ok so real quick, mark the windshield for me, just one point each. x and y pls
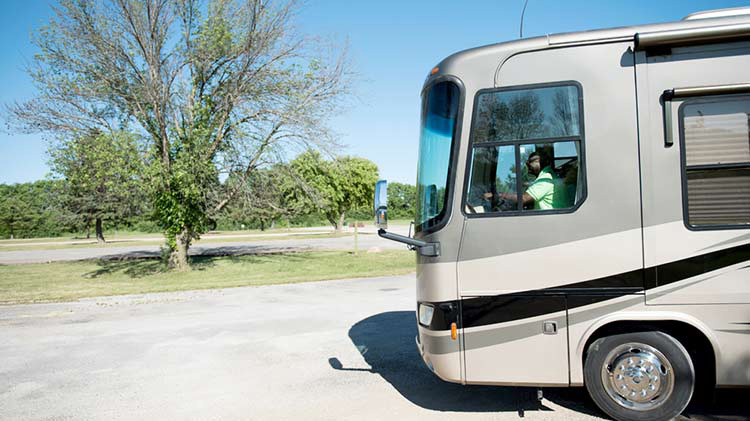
(439, 114)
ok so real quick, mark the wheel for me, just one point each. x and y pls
(645, 376)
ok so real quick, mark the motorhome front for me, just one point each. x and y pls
(583, 213)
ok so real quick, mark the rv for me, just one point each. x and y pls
(583, 214)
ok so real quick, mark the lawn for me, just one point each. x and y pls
(68, 281)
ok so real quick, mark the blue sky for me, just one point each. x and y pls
(393, 43)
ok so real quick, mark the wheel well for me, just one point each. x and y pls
(695, 342)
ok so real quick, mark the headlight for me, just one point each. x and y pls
(425, 314)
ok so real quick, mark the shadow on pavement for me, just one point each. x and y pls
(386, 341)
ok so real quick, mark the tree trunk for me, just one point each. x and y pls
(88, 229)
(340, 224)
(99, 231)
(179, 257)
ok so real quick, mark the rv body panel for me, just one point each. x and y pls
(537, 286)
(718, 324)
(587, 321)
(503, 255)
(699, 271)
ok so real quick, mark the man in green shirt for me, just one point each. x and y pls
(546, 192)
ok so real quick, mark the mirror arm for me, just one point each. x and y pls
(423, 248)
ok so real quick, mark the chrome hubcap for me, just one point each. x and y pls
(637, 376)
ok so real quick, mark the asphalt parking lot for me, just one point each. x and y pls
(316, 351)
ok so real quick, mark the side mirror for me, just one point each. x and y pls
(381, 204)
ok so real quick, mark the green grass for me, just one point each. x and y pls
(68, 281)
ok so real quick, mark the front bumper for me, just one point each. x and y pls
(420, 348)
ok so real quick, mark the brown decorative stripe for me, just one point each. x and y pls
(481, 311)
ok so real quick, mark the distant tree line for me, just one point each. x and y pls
(54, 207)
(96, 187)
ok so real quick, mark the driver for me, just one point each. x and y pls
(542, 193)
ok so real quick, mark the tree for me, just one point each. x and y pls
(510, 117)
(262, 199)
(102, 177)
(15, 215)
(332, 187)
(31, 210)
(225, 88)
(402, 200)
(562, 116)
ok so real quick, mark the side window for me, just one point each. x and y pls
(526, 150)
(715, 137)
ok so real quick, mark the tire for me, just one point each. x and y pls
(643, 376)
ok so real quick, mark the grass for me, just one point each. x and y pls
(68, 281)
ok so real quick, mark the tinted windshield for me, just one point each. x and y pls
(439, 114)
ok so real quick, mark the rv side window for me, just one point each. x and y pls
(526, 150)
(715, 137)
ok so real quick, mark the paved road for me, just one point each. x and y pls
(250, 246)
(92, 241)
(336, 350)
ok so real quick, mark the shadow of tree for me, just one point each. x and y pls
(141, 267)
(198, 252)
(386, 342)
(140, 264)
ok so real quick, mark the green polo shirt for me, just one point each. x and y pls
(548, 191)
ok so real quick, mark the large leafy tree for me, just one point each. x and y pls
(223, 87)
(333, 187)
(102, 176)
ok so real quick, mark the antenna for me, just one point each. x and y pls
(522, 13)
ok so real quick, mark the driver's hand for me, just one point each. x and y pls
(488, 195)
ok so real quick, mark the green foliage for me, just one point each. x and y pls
(181, 190)
(332, 187)
(361, 214)
(31, 210)
(402, 201)
(260, 202)
(101, 177)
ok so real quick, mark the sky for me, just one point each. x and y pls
(393, 44)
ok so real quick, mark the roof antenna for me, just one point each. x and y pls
(522, 13)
